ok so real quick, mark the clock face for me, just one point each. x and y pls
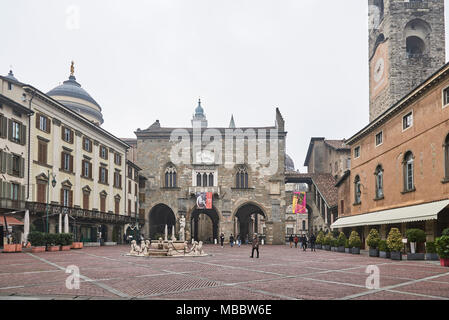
(379, 70)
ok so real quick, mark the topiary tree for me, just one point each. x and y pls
(415, 235)
(341, 240)
(37, 239)
(347, 244)
(354, 240)
(328, 239)
(320, 238)
(394, 240)
(373, 239)
(442, 245)
(431, 247)
(383, 246)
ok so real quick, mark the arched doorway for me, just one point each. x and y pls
(204, 225)
(160, 216)
(248, 220)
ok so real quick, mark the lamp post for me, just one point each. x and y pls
(53, 183)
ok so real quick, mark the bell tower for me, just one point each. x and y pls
(406, 45)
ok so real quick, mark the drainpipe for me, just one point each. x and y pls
(29, 146)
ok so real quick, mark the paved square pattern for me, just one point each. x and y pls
(281, 273)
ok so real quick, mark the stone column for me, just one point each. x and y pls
(110, 230)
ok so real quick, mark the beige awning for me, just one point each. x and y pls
(421, 212)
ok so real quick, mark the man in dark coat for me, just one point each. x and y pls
(222, 240)
(255, 246)
(291, 241)
(312, 242)
(304, 243)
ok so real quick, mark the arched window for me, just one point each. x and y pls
(446, 158)
(242, 178)
(198, 180)
(409, 181)
(357, 190)
(211, 180)
(303, 225)
(170, 177)
(379, 174)
(417, 33)
(204, 179)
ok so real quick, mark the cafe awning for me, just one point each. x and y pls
(421, 212)
(11, 221)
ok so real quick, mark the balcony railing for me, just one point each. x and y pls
(195, 190)
(36, 207)
(12, 204)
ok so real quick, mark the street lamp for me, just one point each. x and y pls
(53, 183)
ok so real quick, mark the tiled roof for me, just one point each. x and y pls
(337, 144)
(324, 182)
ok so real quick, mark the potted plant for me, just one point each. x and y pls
(334, 244)
(9, 248)
(327, 242)
(442, 245)
(347, 247)
(37, 240)
(51, 242)
(394, 243)
(355, 242)
(431, 251)
(415, 236)
(341, 241)
(384, 252)
(373, 242)
(65, 241)
(319, 240)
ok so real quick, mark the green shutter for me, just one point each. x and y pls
(3, 127)
(23, 134)
(3, 160)
(22, 167)
(6, 190)
(9, 163)
(10, 129)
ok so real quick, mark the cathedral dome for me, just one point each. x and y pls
(77, 99)
(289, 163)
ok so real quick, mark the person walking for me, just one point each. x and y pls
(296, 242)
(255, 247)
(222, 239)
(291, 241)
(304, 243)
(239, 240)
(231, 240)
(312, 242)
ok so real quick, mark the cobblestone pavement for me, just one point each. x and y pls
(281, 273)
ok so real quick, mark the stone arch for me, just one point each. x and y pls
(204, 224)
(417, 37)
(159, 216)
(247, 221)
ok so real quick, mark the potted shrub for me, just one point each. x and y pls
(37, 240)
(51, 242)
(442, 245)
(334, 245)
(373, 242)
(327, 242)
(431, 251)
(384, 252)
(394, 243)
(347, 247)
(319, 240)
(415, 236)
(341, 241)
(9, 248)
(355, 242)
(65, 241)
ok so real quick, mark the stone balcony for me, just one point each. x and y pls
(195, 190)
(12, 204)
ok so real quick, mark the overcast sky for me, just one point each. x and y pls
(148, 60)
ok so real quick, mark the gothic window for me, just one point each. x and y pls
(170, 177)
(241, 178)
(379, 182)
(204, 179)
(409, 183)
(417, 33)
(198, 180)
(357, 190)
(211, 180)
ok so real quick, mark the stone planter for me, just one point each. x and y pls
(373, 252)
(444, 262)
(37, 249)
(348, 250)
(18, 248)
(355, 250)
(77, 245)
(415, 256)
(341, 249)
(396, 255)
(9, 248)
(334, 249)
(384, 254)
(413, 247)
(318, 246)
(66, 248)
(432, 257)
(52, 248)
(327, 248)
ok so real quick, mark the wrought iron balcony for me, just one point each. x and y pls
(195, 190)
(76, 213)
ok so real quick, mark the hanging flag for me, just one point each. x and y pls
(201, 200)
(295, 202)
(300, 205)
(209, 197)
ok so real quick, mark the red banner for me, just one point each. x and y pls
(209, 200)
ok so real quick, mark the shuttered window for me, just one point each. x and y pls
(117, 206)
(43, 123)
(41, 192)
(42, 152)
(86, 201)
(3, 127)
(66, 162)
(102, 204)
(67, 135)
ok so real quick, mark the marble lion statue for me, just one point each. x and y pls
(135, 249)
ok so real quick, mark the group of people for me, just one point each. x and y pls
(303, 241)
(232, 240)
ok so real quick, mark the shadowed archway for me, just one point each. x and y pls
(160, 216)
(248, 220)
(204, 225)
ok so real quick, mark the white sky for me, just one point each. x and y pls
(144, 60)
